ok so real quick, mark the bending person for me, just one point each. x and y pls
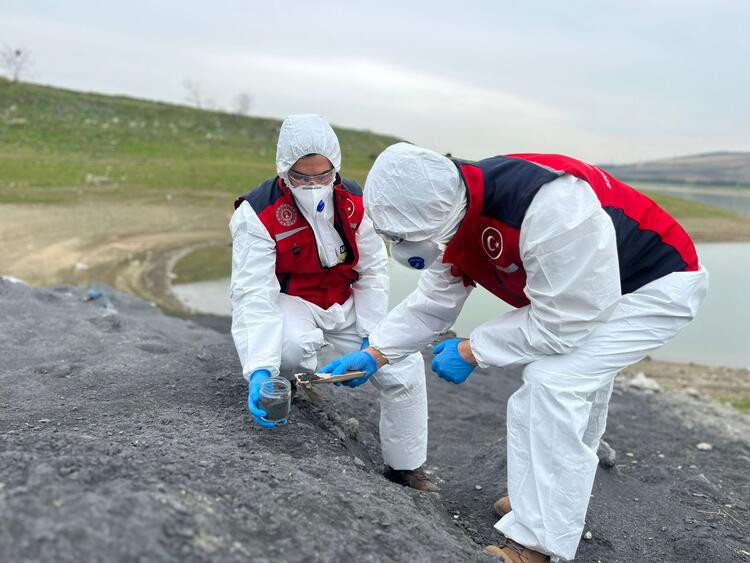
(600, 277)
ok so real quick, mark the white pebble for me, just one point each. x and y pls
(705, 446)
(588, 536)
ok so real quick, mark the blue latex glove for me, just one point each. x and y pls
(448, 362)
(253, 396)
(365, 343)
(355, 361)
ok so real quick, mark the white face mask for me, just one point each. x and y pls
(315, 202)
(418, 255)
(313, 199)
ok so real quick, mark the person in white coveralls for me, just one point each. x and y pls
(599, 274)
(309, 271)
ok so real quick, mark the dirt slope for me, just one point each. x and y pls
(124, 437)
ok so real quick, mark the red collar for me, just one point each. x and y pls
(473, 178)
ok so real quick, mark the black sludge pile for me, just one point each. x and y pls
(124, 436)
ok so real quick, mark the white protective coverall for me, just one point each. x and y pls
(577, 333)
(283, 333)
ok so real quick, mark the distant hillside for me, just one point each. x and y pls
(54, 138)
(729, 168)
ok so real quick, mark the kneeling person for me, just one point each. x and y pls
(308, 271)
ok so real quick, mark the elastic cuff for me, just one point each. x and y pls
(273, 371)
(477, 353)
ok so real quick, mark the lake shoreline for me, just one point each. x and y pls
(133, 246)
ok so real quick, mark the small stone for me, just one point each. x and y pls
(588, 536)
(478, 487)
(692, 391)
(358, 462)
(606, 454)
(351, 427)
(704, 446)
(661, 456)
(702, 485)
(642, 382)
(629, 454)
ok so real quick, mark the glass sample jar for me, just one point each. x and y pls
(275, 399)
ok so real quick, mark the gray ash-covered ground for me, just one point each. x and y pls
(124, 436)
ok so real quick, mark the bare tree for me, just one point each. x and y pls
(242, 103)
(194, 95)
(16, 62)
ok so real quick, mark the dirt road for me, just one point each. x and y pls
(131, 246)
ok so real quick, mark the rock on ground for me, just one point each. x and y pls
(124, 436)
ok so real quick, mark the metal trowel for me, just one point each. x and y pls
(307, 378)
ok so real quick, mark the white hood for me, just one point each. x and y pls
(415, 194)
(301, 135)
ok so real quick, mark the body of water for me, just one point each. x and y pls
(719, 335)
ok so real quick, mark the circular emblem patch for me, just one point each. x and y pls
(286, 214)
(492, 241)
(349, 208)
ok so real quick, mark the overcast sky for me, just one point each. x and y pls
(604, 81)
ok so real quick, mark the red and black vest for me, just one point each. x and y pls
(485, 250)
(298, 266)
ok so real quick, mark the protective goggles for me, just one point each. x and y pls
(305, 179)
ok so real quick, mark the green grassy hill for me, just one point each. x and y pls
(59, 145)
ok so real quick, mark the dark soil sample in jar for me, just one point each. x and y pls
(276, 407)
